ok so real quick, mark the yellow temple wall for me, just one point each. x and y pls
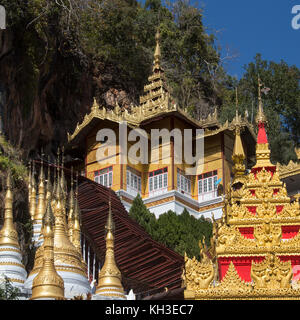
(212, 154)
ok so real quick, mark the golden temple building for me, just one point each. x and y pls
(163, 181)
(255, 249)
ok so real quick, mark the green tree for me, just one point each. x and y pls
(141, 214)
(180, 233)
(281, 103)
(8, 291)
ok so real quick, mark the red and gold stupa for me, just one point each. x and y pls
(256, 247)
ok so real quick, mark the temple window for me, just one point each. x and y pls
(104, 176)
(183, 182)
(207, 185)
(158, 181)
(133, 181)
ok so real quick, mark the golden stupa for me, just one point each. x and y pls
(110, 276)
(48, 284)
(255, 248)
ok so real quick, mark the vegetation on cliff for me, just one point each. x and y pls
(55, 56)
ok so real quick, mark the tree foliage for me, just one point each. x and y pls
(281, 103)
(8, 291)
(115, 39)
(180, 233)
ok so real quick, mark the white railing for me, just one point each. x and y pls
(205, 196)
(158, 192)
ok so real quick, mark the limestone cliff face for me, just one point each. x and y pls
(40, 103)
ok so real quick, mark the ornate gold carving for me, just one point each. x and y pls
(268, 234)
(272, 273)
(285, 171)
(197, 275)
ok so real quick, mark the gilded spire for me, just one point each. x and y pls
(41, 206)
(262, 146)
(32, 203)
(238, 155)
(156, 92)
(61, 238)
(29, 182)
(49, 184)
(63, 182)
(260, 117)
(76, 233)
(8, 233)
(48, 284)
(71, 209)
(157, 53)
(110, 276)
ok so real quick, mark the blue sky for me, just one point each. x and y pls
(247, 27)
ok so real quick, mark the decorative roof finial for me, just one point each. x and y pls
(262, 147)
(260, 117)
(157, 53)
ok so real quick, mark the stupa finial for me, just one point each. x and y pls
(157, 53)
(8, 233)
(260, 117)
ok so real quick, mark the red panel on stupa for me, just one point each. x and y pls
(279, 209)
(289, 232)
(241, 264)
(252, 210)
(247, 232)
(261, 136)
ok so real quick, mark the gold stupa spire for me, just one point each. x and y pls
(60, 232)
(8, 233)
(48, 191)
(63, 182)
(110, 276)
(238, 155)
(157, 53)
(76, 228)
(262, 147)
(48, 284)
(32, 203)
(29, 181)
(54, 185)
(71, 209)
(49, 184)
(260, 117)
(41, 206)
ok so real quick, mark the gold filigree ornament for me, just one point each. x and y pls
(268, 235)
(272, 273)
(197, 275)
